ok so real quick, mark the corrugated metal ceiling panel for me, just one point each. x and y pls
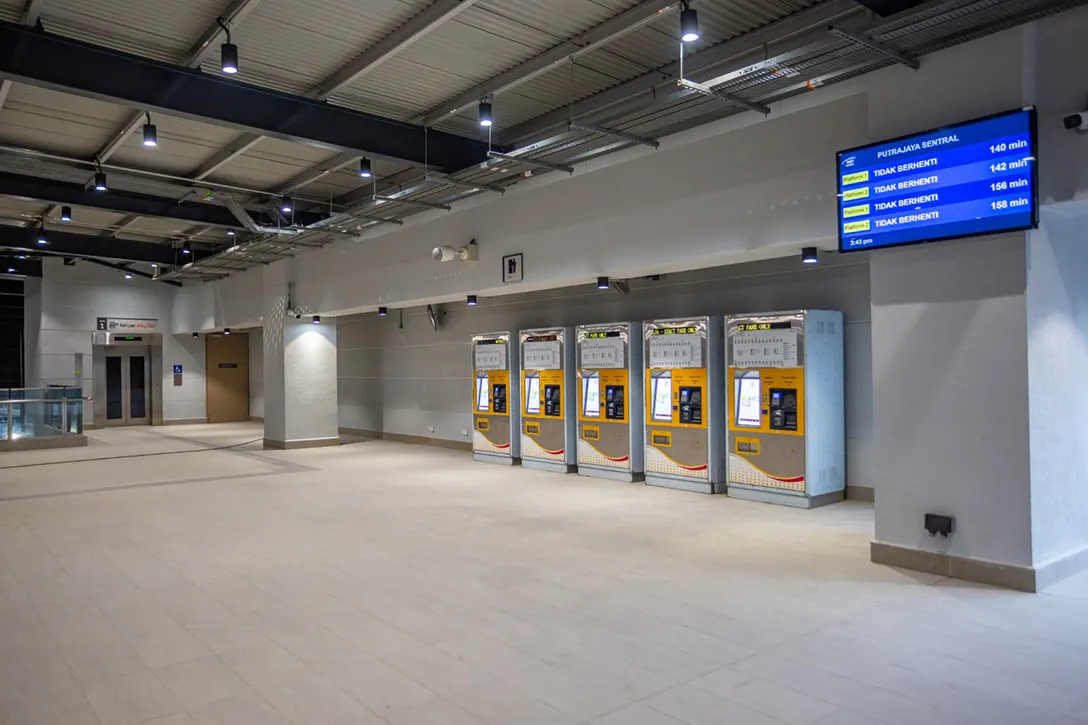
(293, 46)
(540, 23)
(183, 146)
(44, 119)
(11, 11)
(160, 29)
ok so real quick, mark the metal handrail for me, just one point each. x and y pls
(63, 413)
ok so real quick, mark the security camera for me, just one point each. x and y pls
(1077, 122)
(467, 253)
(444, 254)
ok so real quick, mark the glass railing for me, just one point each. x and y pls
(40, 412)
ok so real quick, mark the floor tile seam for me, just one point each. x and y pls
(311, 670)
(866, 683)
(559, 669)
(955, 658)
(67, 666)
(644, 702)
(204, 446)
(135, 486)
(727, 696)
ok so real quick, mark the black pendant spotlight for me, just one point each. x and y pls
(810, 255)
(382, 312)
(485, 114)
(66, 213)
(42, 238)
(228, 51)
(100, 180)
(317, 319)
(602, 283)
(186, 248)
(226, 330)
(287, 205)
(364, 168)
(472, 300)
(689, 23)
(151, 134)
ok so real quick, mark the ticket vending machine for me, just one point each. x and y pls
(685, 425)
(610, 414)
(548, 416)
(787, 437)
(495, 399)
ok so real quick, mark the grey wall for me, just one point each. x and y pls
(256, 372)
(1057, 311)
(406, 381)
(950, 380)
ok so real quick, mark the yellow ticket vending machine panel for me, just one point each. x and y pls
(683, 408)
(494, 400)
(785, 407)
(547, 414)
(610, 411)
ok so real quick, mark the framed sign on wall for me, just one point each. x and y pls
(513, 268)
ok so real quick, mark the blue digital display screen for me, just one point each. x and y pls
(973, 178)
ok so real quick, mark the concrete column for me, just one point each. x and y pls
(300, 407)
(973, 345)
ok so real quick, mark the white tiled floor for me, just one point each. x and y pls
(384, 583)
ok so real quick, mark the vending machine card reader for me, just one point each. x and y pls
(548, 415)
(610, 401)
(685, 426)
(786, 419)
(495, 403)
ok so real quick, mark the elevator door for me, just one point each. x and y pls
(128, 399)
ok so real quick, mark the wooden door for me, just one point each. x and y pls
(227, 376)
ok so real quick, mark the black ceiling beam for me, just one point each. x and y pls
(25, 239)
(35, 57)
(127, 202)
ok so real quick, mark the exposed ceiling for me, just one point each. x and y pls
(324, 83)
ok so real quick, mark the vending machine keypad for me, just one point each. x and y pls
(691, 405)
(613, 402)
(498, 398)
(783, 408)
(553, 401)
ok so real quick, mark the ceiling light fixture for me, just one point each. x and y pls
(196, 335)
(66, 213)
(100, 180)
(364, 168)
(472, 300)
(228, 51)
(810, 255)
(186, 248)
(689, 23)
(226, 330)
(382, 312)
(42, 239)
(11, 270)
(287, 206)
(128, 275)
(485, 114)
(151, 134)
(602, 283)
(230, 232)
(317, 319)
